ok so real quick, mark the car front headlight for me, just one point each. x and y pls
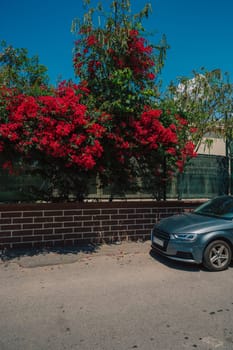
(185, 236)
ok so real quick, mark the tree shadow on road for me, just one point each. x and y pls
(71, 251)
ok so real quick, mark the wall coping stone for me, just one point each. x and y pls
(96, 205)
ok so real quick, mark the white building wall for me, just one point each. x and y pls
(217, 148)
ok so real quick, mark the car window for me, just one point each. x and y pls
(221, 207)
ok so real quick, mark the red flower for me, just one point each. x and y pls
(8, 166)
(96, 129)
(180, 165)
(193, 130)
(171, 151)
(91, 40)
(133, 32)
(63, 129)
(181, 120)
(151, 76)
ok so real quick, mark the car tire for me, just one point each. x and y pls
(217, 256)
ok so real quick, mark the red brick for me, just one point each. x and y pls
(91, 212)
(72, 224)
(82, 229)
(52, 237)
(63, 218)
(5, 234)
(43, 219)
(10, 227)
(126, 211)
(163, 215)
(5, 221)
(149, 216)
(43, 231)
(101, 217)
(22, 232)
(91, 235)
(11, 214)
(143, 211)
(31, 226)
(32, 238)
(148, 226)
(155, 210)
(128, 222)
(143, 221)
(10, 239)
(109, 211)
(135, 216)
(22, 220)
(82, 218)
(118, 217)
(53, 213)
(63, 230)
(109, 222)
(53, 225)
(135, 227)
(100, 228)
(73, 212)
(143, 232)
(72, 236)
(32, 213)
(119, 227)
(91, 223)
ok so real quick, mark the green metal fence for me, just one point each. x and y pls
(205, 176)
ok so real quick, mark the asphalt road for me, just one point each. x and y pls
(117, 298)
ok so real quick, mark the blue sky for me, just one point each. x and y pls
(199, 32)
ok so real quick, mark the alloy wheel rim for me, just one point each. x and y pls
(219, 255)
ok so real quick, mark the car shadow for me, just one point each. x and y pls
(7, 255)
(179, 265)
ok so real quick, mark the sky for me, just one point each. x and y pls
(199, 33)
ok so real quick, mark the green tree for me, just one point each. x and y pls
(18, 70)
(207, 101)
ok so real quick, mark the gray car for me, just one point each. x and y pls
(203, 236)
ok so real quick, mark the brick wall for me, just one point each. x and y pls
(50, 225)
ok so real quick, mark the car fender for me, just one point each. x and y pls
(218, 235)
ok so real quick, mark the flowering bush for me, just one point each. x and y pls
(58, 137)
(164, 148)
(52, 132)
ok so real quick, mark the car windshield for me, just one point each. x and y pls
(220, 207)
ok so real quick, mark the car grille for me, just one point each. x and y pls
(163, 236)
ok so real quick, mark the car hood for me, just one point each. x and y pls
(193, 223)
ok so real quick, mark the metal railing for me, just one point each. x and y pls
(204, 177)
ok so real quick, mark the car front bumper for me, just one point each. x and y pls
(179, 251)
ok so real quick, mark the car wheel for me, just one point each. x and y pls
(217, 256)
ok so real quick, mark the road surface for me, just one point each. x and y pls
(119, 297)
